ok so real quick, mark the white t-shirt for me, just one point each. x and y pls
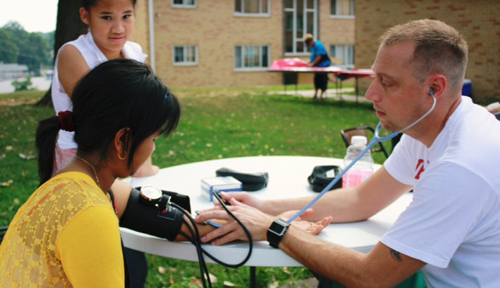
(453, 222)
(93, 56)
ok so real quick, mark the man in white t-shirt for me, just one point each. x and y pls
(451, 230)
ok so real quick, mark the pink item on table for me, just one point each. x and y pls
(288, 62)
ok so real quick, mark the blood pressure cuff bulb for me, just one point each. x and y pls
(163, 222)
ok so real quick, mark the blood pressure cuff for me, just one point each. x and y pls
(249, 181)
(163, 223)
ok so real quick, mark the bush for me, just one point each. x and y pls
(22, 85)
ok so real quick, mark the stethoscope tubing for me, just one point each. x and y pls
(376, 139)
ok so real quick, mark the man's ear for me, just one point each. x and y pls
(122, 142)
(438, 84)
(85, 16)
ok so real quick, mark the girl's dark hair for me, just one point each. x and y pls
(87, 4)
(117, 94)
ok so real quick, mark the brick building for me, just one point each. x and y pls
(232, 43)
(478, 21)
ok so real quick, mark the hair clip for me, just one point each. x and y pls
(166, 96)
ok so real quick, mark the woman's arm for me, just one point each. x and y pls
(90, 251)
(121, 192)
(71, 68)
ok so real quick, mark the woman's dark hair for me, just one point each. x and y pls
(117, 94)
(87, 4)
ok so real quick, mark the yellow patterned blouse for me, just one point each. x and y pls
(65, 235)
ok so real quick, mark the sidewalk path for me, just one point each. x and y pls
(39, 83)
(330, 94)
(42, 84)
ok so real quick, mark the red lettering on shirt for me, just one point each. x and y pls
(420, 168)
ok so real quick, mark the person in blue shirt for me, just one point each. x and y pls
(319, 58)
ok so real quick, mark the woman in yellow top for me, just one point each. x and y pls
(67, 233)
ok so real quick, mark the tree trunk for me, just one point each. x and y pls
(68, 27)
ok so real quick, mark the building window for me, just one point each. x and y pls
(342, 8)
(184, 3)
(344, 52)
(251, 57)
(185, 55)
(300, 19)
(252, 7)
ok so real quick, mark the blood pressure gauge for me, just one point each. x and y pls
(150, 195)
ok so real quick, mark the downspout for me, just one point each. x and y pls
(152, 36)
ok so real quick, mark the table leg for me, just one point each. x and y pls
(253, 281)
(356, 90)
(339, 89)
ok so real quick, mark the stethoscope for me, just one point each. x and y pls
(376, 139)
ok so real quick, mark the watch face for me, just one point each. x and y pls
(151, 192)
(279, 227)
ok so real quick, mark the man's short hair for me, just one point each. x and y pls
(308, 38)
(439, 49)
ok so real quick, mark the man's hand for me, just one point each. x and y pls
(311, 227)
(242, 197)
(254, 220)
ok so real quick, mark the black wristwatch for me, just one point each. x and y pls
(276, 232)
(150, 195)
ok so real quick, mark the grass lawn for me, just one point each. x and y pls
(216, 123)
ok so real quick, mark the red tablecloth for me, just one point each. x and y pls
(358, 73)
(298, 65)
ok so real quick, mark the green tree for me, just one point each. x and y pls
(50, 37)
(34, 52)
(8, 48)
(33, 48)
(14, 26)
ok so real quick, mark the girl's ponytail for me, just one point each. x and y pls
(46, 137)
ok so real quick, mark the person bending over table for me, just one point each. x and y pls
(319, 58)
(451, 229)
